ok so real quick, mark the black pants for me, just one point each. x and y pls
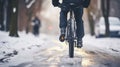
(78, 13)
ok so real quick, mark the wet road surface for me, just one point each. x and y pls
(57, 56)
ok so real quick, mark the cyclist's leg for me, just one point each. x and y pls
(78, 12)
(63, 22)
(63, 17)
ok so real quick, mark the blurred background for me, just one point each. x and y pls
(19, 15)
(20, 20)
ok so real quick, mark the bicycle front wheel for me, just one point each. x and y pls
(71, 48)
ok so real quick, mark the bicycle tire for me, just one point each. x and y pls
(70, 40)
(71, 48)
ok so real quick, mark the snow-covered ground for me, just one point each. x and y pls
(14, 51)
(19, 50)
(107, 45)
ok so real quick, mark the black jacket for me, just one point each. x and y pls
(78, 2)
(56, 2)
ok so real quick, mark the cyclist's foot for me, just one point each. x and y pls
(62, 36)
(79, 44)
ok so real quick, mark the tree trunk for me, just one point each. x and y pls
(91, 23)
(105, 4)
(13, 19)
(8, 16)
(1, 15)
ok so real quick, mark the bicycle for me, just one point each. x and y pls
(70, 36)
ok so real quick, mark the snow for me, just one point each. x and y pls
(25, 45)
(107, 45)
(14, 51)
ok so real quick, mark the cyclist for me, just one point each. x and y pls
(78, 13)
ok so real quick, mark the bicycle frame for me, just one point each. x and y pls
(71, 34)
(71, 31)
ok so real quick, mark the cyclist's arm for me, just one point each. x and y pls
(86, 3)
(55, 2)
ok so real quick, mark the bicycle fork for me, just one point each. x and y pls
(73, 28)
